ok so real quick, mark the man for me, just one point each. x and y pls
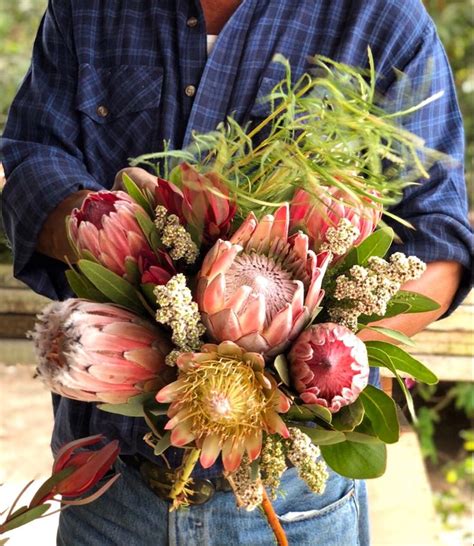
(111, 80)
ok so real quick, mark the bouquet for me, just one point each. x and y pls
(222, 302)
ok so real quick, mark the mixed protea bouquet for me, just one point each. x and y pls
(222, 302)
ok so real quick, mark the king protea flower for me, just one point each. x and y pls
(259, 289)
(105, 229)
(201, 202)
(223, 400)
(315, 213)
(329, 366)
(98, 352)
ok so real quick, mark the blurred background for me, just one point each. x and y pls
(435, 456)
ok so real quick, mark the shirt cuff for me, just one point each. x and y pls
(25, 207)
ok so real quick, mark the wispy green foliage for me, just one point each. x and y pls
(324, 130)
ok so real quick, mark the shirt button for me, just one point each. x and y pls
(102, 111)
(190, 90)
(192, 22)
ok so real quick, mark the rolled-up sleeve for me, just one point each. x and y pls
(437, 208)
(40, 151)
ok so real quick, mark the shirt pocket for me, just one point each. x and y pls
(119, 114)
(262, 107)
(107, 94)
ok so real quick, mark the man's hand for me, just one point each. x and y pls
(439, 282)
(143, 179)
(53, 240)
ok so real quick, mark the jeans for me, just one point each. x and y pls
(130, 514)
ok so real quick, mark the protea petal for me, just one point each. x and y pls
(97, 352)
(106, 227)
(182, 434)
(210, 450)
(329, 365)
(267, 286)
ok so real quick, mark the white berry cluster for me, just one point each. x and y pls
(177, 309)
(367, 290)
(272, 464)
(248, 492)
(341, 238)
(175, 237)
(304, 455)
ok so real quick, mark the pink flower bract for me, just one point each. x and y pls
(259, 289)
(329, 366)
(97, 352)
(315, 213)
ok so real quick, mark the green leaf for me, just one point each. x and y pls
(147, 290)
(380, 353)
(254, 470)
(417, 302)
(281, 366)
(25, 517)
(382, 412)
(321, 437)
(403, 302)
(376, 244)
(163, 444)
(394, 334)
(383, 359)
(305, 412)
(117, 289)
(319, 411)
(149, 230)
(393, 309)
(136, 194)
(49, 484)
(356, 460)
(131, 268)
(132, 408)
(361, 438)
(348, 417)
(84, 288)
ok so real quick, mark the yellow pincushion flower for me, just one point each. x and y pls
(223, 400)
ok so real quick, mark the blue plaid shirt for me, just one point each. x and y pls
(111, 80)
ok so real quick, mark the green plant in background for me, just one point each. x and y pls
(19, 20)
(454, 499)
(455, 21)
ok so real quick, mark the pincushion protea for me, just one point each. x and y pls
(105, 227)
(222, 400)
(329, 366)
(259, 289)
(315, 213)
(98, 352)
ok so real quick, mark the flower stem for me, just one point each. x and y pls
(182, 478)
(273, 520)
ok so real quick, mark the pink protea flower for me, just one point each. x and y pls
(98, 352)
(88, 467)
(105, 227)
(258, 289)
(201, 202)
(155, 267)
(317, 212)
(76, 471)
(329, 366)
(223, 400)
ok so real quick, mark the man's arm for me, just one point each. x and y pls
(439, 282)
(41, 153)
(437, 207)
